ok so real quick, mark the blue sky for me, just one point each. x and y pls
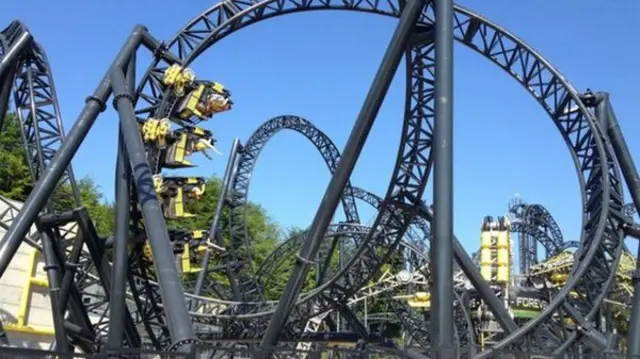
(319, 66)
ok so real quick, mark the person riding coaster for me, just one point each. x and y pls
(195, 98)
(175, 192)
(203, 100)
(184, 142)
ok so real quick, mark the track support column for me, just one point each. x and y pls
(5, 93)
(632, 179)
(120, 266)
(171, 290)
(52, 266)
(350, 154)
(47, 183)
(224, 188)
(442, 242)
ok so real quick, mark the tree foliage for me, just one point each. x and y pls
(15, 178)
(264, 231)
(16, 182)
(275, 285)
(101, 212)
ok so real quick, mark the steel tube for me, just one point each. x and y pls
(5, 94)
(69, 273)
(171, 290)
(120, 264)
(349, 157)
(53, 277)
(442, 242)
(11, 56)
(215, 224)
(120, 256)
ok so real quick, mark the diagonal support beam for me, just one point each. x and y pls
(53, 269)
(227, 179)
(117, 298)
(352, 319)
(11, 57)
(5, 93)
(350, 154)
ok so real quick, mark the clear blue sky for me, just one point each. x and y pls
(319, 66)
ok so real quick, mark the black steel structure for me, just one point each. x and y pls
(536, 228)
(128, 291)
(442, 241)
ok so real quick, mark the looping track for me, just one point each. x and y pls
(331, 156)
(597, 256)
(247, 315)
(536, 226)
(240, 188)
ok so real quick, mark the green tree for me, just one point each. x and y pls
(260, 226)
(15, 178)
(16, 182)
(294, 231)
(102, 213)
(263, 231)
(293, 240)
(275, 284)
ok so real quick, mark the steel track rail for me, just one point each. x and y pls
(408, 176)
(329, 153)
(464, 332)
(545, 83)
(536, 226)
(217, 308)
(289, 247)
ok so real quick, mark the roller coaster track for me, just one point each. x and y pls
(595, 263)
(600, 239)
(463, 326)
(37, 110)
(238, 197)
(385, 283)
(552, 273)
(36, 105)
(330, 155)
(535, 225)
(240, 188)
